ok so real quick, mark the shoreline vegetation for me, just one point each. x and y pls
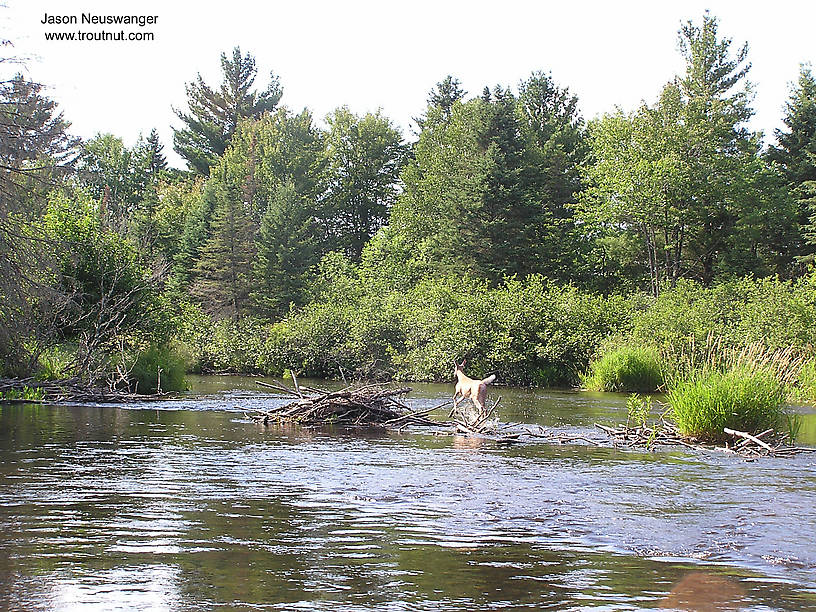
(664, 249)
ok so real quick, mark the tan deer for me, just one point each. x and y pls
(467, 388)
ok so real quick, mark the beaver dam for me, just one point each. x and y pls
(380, 405)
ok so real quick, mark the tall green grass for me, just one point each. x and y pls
(628, 368)
(158, 368)
(26, 393)
(743, 398)
(807, 382)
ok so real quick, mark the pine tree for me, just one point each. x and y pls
(556, 149)
(194, 234)
(499, 226)
(441, 99)
(35, 147)
(214, 115)
(35, 150)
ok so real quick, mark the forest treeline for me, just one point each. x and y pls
(507, 229)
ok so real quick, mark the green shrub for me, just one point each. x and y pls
(529, 332)
(232, 346)
(158, 367)
(682, 321)
(743, 398)
(628, 368)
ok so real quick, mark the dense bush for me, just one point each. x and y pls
(807, 382)
(780, 314)
(627, 368)
(529, 332)
(231, 346)
(743, 398)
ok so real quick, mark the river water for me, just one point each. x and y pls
(189, 505)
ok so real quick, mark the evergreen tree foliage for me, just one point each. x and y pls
(488, 190)
(556, 148)
(685, 174)
(35, 153)
(287, 248)
(194, 233)
(223, 271)
(441, 100)
(214, 115)
(265, 154)
(35, 147)
(278, 148)
(157, 161)
(795, 153)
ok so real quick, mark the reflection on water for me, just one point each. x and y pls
(200, 507)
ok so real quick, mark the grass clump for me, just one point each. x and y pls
(158, 368)
(57, 363)
(742, 398)
(628, 368)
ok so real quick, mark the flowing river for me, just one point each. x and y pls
(187, 504)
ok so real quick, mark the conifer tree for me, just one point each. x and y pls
(214, 115)
(155, 154)
(795, 154)
(287, 247)
(223, 271)
(441, 100)
(194, 233)
(35, 147)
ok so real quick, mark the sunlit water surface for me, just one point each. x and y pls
(189, 505)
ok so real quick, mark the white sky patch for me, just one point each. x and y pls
(387, 54)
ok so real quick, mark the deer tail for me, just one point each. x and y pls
(489, 379)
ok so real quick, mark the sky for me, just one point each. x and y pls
(388, 54)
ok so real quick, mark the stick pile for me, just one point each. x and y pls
(665, 433)
(365, 405)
